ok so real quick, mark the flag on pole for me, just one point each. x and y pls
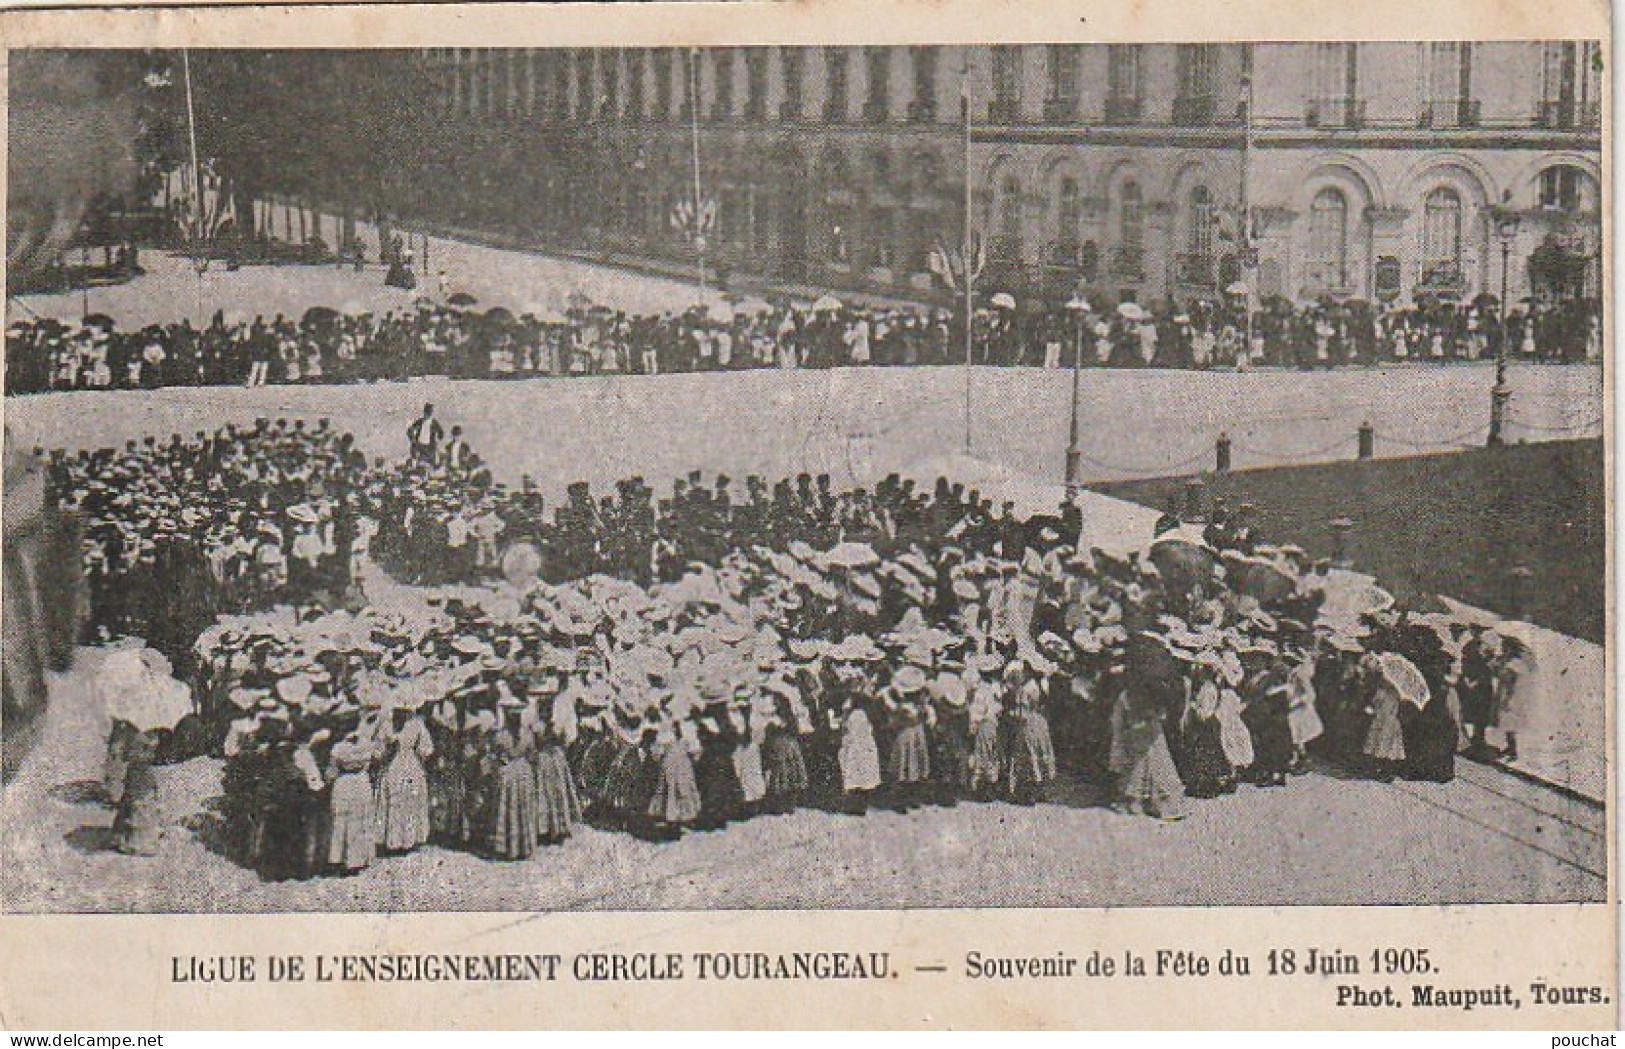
(941, 263)
(686, 219)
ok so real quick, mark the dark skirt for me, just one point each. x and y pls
(784, 765)
(596, 758)
(1267, 720)
(624, 780)
(1431, 735)
(1201, 759)
(720, 795)
(136, 828)
(449, 799)
(950, 751)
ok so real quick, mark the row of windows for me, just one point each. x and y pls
(755, 217)
(661, 83)
(1205, 231)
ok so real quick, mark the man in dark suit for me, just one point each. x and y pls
(423, 436)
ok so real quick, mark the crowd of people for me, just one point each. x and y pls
(442, 338)
(662, 665)
(238, 520)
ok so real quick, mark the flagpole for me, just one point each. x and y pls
(970, 262)
(1246, 224)
(198, 261)
(694, 123)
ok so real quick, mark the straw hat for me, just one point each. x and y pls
(909, 679)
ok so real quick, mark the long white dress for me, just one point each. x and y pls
(860, 758)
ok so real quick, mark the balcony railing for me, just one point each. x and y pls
(1556, 113)
(1061, 110)
(1123, 109)
(1336, 113)
(1195, 110)
(1568, 114)
(1128, 263)
(1446, 113)
(875, 111)
(1194, 268)
(1442, 276)
(1003, 111)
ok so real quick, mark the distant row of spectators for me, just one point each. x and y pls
(448, 338)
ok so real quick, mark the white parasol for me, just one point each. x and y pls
(157, 702)
(1408, 681)
(522, 565)
(851, 555)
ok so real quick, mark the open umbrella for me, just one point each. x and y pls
(319, 316)
(461, 298)
(750, 305)
(851, 555)
(99, 320)
(1408, 681)
(1131, 310)
(826, 304)
(1236, 288)
(150, 699)
(522, 565)
(1004, 301)
(499, 315)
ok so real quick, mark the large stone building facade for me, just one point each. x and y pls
(1381, 171)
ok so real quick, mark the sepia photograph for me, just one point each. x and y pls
(793, 477)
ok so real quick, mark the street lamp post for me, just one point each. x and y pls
(1506, 230)
(1078, 306)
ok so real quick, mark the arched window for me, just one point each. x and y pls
(1130, 231)
(1441, 237)
(1008, 245)
(1566, 188)
(1197, 265)
(1068, 219)
(1329, 240)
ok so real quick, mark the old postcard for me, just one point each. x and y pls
(949, 514)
